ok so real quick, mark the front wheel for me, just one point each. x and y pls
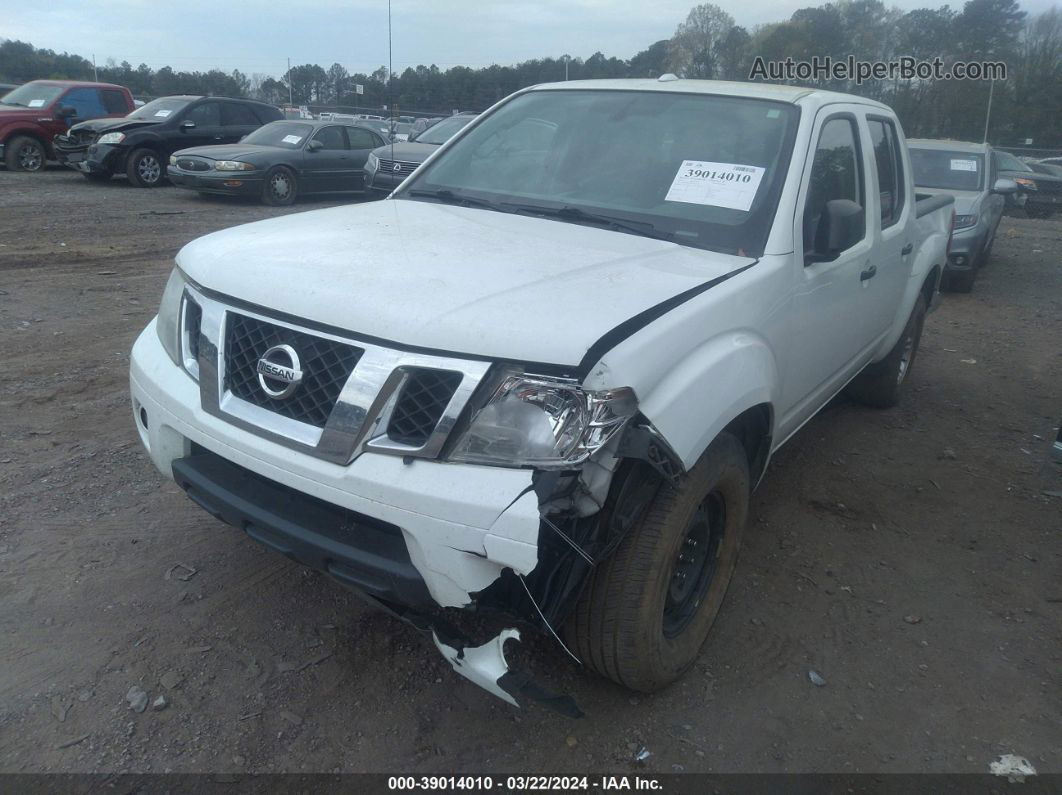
(280, 188)
(144, 168)
(24, 154)
(646, 611)
(879, 384)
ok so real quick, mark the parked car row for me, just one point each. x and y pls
(213, 145)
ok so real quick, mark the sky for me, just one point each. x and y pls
(259, 35)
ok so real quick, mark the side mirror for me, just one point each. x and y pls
(188, 124)
(314, 146)
(841, 225)
(1005, 186)
(65, 112)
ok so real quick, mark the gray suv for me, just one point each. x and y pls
(968, 172)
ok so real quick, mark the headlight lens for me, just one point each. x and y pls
(541, 422)
(168, 323)
(372, 163)
(1026, 183)
(233, 165)
(962, 221)
(111, 138)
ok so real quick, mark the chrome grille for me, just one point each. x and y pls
(405, 168)
(193, 164)
(421, 405)
(326, 366)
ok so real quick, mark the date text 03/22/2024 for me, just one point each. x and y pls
(523, 783)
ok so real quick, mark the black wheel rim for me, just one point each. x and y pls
(695, 565)
(30, 157)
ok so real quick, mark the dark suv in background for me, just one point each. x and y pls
(141, 143)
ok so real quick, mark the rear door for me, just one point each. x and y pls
(237, 120)
(891, 225)
(362, 142)
(829, 338)
(326, 167)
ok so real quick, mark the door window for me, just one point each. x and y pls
(86, 103)
(331, 137)
(114, 101)
(234, 115)
(888, 162)
(362, 139)
(835, 174)
(205, 115)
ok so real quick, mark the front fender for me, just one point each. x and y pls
(708, 389)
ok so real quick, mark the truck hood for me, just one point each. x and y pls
(966, 201)
(17, 113)
(451, 279)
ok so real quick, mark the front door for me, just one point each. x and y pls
(828, 339)
(205, 129)
(325, 166)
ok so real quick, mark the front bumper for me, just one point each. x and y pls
(233, 183)
(462, 525)
(383, 182)
(966, 246)
(100, 159)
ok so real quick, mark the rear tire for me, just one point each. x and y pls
(144, 168)
(646, 611)
(880, 384)
(24, 153)
(280, 187)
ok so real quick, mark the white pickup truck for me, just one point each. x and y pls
(542, 378)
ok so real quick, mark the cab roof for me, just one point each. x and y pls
(81, 83)
(795, 95)
(951, 146)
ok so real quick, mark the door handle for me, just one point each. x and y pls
(869, 273)
(907, 249)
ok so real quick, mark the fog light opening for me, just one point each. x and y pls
(233, 183)
(143, 417)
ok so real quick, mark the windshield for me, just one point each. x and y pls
(442, 132)
(159, 109)
(32, 95)
(701, 170)
(1048, 168)
(1009, 162)
(940, 168)
(285, 134)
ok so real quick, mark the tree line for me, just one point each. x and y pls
(707, 44)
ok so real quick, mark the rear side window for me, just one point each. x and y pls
(268, 113)
(114, 101)
(86, 103)
(888, 163)
(835, 173)
(205, 115)
(234, 115)
(362, 139)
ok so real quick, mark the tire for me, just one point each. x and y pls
(280, 187)
(961, 281)
(880, 384)
(144, 168)
(97, 176)
(636, 622)
(24, 153)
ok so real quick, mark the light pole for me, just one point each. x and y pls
(290, 103)
(566, 59)
(988, 110)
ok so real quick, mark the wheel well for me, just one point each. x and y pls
(929, 286)
(28, 134)
(753, 429)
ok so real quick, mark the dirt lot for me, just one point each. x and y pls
(910, 557)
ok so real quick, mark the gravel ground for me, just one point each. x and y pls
(909, 557)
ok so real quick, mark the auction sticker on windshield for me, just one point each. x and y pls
(717, 184)
(291, 139)
(163, 113)
(36, 103)
(963, 165)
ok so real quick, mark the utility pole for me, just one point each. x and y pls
(988, 110)
(290, 102)
(95, 73)
(566, 59)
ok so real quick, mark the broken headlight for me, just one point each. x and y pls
(543, 422)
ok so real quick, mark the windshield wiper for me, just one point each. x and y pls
(447, 196)
(578, 215)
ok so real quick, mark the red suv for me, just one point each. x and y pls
(34, 113)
